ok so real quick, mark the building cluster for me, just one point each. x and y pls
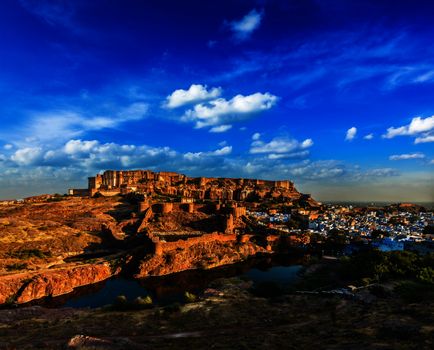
(385, 228)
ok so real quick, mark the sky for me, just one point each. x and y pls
(334, 95)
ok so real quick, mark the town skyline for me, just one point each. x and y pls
(333, 96)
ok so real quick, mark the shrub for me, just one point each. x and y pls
(426, 275)
(381, 266)
(143, 302)
(189, 297)
(414, 292)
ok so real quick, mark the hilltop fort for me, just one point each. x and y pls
(172, 184)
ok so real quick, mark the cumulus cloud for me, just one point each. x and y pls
(220, 128)
(281, 147)
(91, 156)
(196, 93)
(417, 126)
(226, 150)
(256, 136)
(351, 133)
(48, 169)
(294, 155)
(78, 146)
(225, 112)
(424, 139)
(27, 155)
(368, 136)
(307, 143)
(8, 147)
(243, 28)
(407, 156)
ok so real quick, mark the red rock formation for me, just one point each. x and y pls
(24, 287)
(202, 255)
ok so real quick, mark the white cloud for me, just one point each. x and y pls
(424, 139)
(220, 128)
(223, 151)
(27, 156)
(368, 136)
(417, 125)
(222, 111)
(307, 143)
(256, 136)
(407, 156)
(134, 111)
(351, 133)
(78, 146)
(243, 28)
(379, 172)
(196, 93)
(295, 155)
(281, 148)
(425, 77)
(58, 126)
(226, 150)
(8, 146)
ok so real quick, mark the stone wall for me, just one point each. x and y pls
(162, 246)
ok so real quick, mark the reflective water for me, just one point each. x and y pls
(168, 289)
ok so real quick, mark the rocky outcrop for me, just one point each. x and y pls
(203, 255)
(22, 288)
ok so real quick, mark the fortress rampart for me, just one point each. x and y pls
(161, 246)
(113, 182)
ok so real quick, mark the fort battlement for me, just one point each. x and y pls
(161, 246)
(189, 189)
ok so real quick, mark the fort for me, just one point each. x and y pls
(113, 182)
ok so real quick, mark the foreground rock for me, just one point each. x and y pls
(25, 287)
(229, 317)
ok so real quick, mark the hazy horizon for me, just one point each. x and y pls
(318, 191)
(335, 96)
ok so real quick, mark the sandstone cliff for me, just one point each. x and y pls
(24, 287)
(202, 255)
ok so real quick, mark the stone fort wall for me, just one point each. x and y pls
(162, 246)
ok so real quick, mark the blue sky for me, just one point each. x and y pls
(335, 95)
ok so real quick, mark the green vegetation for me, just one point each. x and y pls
(410, 273)
(143, 301)
(383, 266)
(415, 292)
(121, 303)
(189, 297)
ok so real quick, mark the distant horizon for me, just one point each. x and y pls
(337, 200)
(335, 96)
